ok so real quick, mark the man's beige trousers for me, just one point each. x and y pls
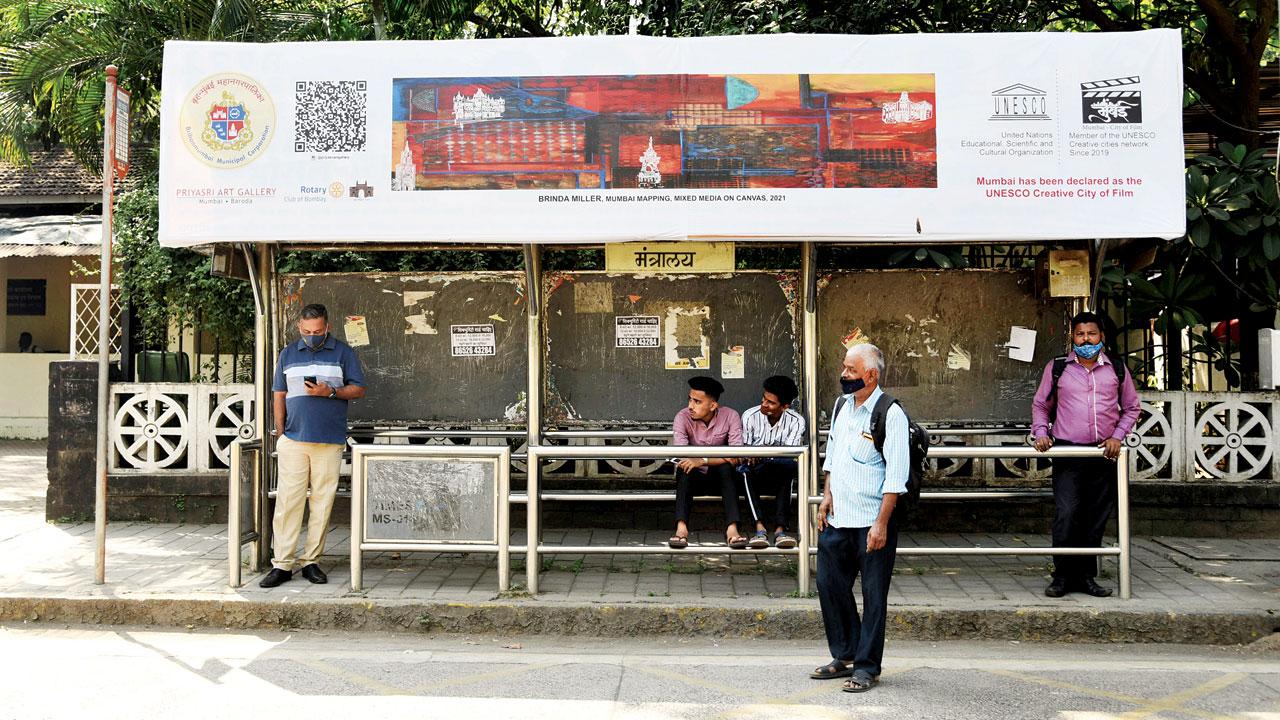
(303, 464)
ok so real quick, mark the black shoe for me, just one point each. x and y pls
(1089, 587)
(313, 573)
(1057, 588)
(276, 577)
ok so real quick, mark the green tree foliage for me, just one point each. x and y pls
(1224, 45)
(172, 286)
(1226, 267)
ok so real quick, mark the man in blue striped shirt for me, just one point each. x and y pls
(857, 533)
(772, 422)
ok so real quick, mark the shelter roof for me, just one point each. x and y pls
(50, 236)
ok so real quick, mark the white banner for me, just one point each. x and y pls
(916, 138)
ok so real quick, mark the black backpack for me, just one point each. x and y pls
(1060, 366)
(917, 444)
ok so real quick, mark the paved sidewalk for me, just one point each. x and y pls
(1173, 577)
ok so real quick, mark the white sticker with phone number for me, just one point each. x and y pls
(472, 340)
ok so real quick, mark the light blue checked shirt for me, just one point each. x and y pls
(860, 476)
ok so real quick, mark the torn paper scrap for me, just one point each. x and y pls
(687, 346)
(1022, 343)
(855, 337)
(419, 312)
(593, 297)
(959, 358)
(356, 331)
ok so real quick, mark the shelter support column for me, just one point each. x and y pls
(533, 411)
(264, 361)
(808, 486)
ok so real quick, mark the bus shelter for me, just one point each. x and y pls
(658, 149)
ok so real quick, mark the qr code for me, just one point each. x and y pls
(331, 116)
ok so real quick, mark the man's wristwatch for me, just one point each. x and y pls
(333, 393)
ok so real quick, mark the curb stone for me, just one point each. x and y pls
(520, 617)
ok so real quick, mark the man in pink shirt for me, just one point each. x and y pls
(1086, 398)
(705, 422)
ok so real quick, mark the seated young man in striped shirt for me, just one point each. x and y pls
(773, 422)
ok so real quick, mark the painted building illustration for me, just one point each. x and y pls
(665, 131)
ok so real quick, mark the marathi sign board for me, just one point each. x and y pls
(919, 138)
(678, 257)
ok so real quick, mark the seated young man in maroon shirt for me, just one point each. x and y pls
(705, 422)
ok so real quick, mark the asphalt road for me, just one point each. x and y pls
(138, 673)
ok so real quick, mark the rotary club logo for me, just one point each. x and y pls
(227, 121)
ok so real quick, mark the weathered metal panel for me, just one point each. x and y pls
(413, 376)
(591, 381)
(944, 335)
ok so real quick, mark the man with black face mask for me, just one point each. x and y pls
(315, 379)
(1086, 398)
(857, 531)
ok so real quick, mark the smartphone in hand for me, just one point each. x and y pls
(309, 380)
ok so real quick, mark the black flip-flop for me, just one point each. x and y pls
(832, 670)
(738, 542)
(675, 542)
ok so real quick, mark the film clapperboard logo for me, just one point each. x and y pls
(1112, 101)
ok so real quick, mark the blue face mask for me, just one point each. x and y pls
(1088, 352)
(851, 386)
(315, 342)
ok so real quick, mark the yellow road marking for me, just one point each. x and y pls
(384, 689)
(1146, 706)
(1175, 701)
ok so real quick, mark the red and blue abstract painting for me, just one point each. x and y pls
(665, 131)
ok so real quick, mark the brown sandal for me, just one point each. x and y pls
(737, 542)
(676, 542)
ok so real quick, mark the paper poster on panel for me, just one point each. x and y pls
(685, 338)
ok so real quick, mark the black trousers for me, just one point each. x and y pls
(842, 555)
(720, 477)
(1084, 493)
(776, 475)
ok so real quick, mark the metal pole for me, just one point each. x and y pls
(504, 522)
(1122, 523)
(104, 329)
(234, 531)
(357, 519)
(803, 566)
(531, 560)
(533, 405)
(808, 484)
(259, 403)
(264, 358)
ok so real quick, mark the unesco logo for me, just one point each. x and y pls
(1019, 102)
(1112, 101)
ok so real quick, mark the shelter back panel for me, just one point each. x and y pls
(945, 335)
(620, 348)
(436, 348)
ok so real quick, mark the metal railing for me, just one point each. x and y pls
(535, 497)
(804, 546)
